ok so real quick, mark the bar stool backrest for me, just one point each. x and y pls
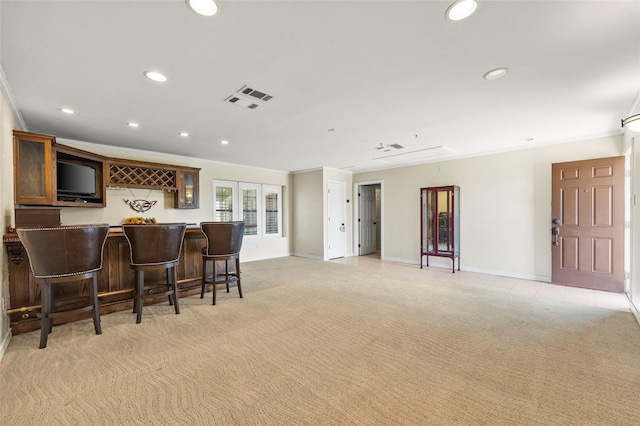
(223, 238)
(64, 251)
(155, 244)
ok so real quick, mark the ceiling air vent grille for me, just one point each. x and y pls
(255, 93)
(248, 97)
(245, 103)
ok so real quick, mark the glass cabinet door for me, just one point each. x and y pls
(428, 231)
(188, 190)
(33, 168)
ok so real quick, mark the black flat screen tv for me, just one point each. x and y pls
(76, 179)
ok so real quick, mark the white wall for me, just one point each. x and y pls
(310, 211)
(116, 211)
(7, 124)
(505, 206)
(308, 220)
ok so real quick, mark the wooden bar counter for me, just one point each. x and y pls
(115, 282)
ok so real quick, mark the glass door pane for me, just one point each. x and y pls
(250, 211)
(444, 220)
(224, 204)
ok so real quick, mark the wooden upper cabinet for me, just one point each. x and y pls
(49, 174)
(33, 165)
(37, 160)
(188, 191)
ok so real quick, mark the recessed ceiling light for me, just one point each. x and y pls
(133, 124)
(496, 74)
(67, 110)
(224, 142)
(183, 134)
(203, 7)
(155, 76)
(461, 9)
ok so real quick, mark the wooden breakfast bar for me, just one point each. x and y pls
(115, 281)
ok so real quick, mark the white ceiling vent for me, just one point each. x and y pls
(387, 148)
(248, 97)
(255, 93)
(245, 103)
(417, 155)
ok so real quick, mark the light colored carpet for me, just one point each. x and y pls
(318, 343)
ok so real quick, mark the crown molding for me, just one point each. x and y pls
(8, 94)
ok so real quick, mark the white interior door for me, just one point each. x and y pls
(367, 220)
(337, 232)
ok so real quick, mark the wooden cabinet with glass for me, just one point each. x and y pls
(33, 165)
(440, 223)
(187, 194)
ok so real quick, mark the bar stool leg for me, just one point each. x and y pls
(45, 311)
(238, 275)
(174, 286)
(168, 295)
(204, 277)
(52, 304)
(96, 306)
(214, 289)
(140, 292)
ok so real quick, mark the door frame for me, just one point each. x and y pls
(356, 214)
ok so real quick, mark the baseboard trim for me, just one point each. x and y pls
(442, 265)
(4, 345)
(634, 309)
(308, 256)
(256, 259)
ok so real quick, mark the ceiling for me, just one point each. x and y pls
(347, 77)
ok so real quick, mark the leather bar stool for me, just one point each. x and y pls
(153, 247)
(62, 254)
(224, 241)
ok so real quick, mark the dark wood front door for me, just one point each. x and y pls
(587, 224)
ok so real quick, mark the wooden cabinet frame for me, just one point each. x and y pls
(188, 190)
(184, 181)
(35, 174)
(77, 156)
(33, 165)
(440, 223)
